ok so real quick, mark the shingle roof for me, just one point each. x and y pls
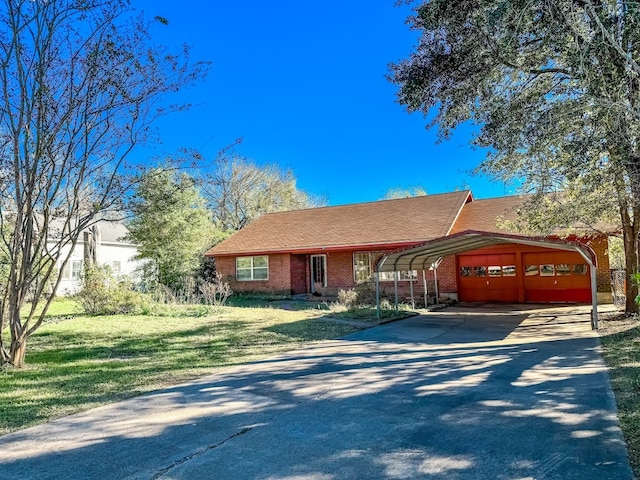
(484, 215)
(386, 222)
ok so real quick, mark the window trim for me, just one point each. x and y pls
(356, 266)
(252, 269)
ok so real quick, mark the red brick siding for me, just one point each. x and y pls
(279, 275)
(299, 274)
(603, 276)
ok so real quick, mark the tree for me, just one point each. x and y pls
(81, 85)
(554, 90)
(171, 224)
(400, 192)
(239, 191)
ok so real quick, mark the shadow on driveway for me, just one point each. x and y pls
(462, 393)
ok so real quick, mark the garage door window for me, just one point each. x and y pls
(465, 271)
(480, 271)
(563, 269)
(531, 270)
(508, 270)
(547, 270)
(495, 271)
(580, 269)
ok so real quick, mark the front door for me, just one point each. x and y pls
(318, 272)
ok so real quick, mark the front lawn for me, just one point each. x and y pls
(620, 338)
(76, 362)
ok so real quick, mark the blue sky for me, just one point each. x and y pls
(303, 84)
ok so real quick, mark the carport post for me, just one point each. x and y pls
(377, 293)
(413, 302)
(395, 286)
(435, 279)
(594, 297)
(424, 284)
(594, 289)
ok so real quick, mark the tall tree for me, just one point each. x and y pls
(81, 83)
(402, 192)
(171, 225)
(554, 89)
(239, 191)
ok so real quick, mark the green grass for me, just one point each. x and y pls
(369, 315)
(75, 362)
(621, 347)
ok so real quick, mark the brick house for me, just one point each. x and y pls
(323, 250)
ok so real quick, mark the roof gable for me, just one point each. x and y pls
(386, 222)
(486, 214)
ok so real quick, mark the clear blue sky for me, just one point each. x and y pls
(303, 84)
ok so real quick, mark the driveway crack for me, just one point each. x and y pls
(208, 448)
(160, 473)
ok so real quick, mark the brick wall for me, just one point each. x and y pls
(603, 276)
(279, 275)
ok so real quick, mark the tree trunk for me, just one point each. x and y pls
(18, 351)
(630, 236)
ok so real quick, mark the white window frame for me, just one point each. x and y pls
(356, 267)
(68, 271)
(116, 271)
(252, 269)
(403, 276)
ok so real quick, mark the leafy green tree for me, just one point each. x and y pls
(171, 225)
(81, 82)
(554, 88)
(239, 191)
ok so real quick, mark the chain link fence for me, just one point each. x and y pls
(618, 286)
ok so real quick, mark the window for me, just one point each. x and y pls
(563, 269)
(480, 271)
(465, 271)
(252, 268)
(531, 270)
(72, 270)
(547, 270)
(508, 270)
(404, 275)
(580, 269)
(116, 267)
(495, 271)
(361, 267)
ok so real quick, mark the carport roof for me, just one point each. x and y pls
(423, 255)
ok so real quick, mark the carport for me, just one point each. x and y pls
(428, 255)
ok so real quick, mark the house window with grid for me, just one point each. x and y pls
(252, 268)
(72, 270)
(361, 267)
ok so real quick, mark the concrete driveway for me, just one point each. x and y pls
(469, 393)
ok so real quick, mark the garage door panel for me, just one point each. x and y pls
(557, 278)
(541, 276)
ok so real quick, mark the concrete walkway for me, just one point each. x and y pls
(465, 393)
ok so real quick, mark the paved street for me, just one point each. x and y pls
(464, 393)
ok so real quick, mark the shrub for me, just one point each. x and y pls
(103, 294)
(348, 298)
(215, 292)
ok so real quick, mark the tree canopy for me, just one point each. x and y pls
(239, 190)
(171, 225)
(553, 87)
(81, 85)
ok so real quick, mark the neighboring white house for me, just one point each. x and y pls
(111, 250)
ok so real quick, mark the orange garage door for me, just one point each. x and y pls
(488, 278)
(556, 277)
(541, 276)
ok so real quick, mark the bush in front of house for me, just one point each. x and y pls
(103, 294)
